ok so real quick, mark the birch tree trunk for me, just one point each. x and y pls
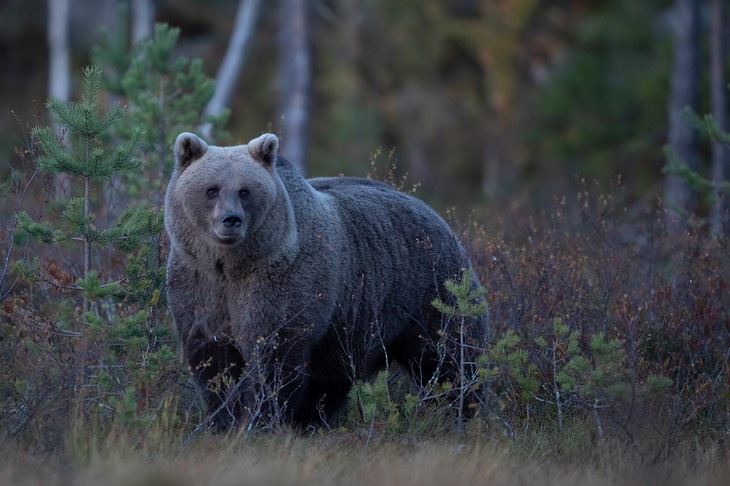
(684, 92)
(59, 74)
(143, 19)
(59, 77)
(718, 87)
(294, 81)
(232, 65)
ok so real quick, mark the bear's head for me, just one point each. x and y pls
(224, 193)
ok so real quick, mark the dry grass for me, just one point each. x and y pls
(347, 459)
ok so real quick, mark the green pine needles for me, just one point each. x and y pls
(566, 374)
(469, 304)
(166, 94)
(97, 280)
(79, 154)
(706, 126)
(100, 272)
(468, 298)
(716, 188)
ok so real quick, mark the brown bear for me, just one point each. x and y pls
(284, 290)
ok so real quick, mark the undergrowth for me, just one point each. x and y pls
(609, 336)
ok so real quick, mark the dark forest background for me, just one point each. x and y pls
(479, 101)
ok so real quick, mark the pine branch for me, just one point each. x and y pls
(124, 160)
(54, 159)
(693, 178)
(706, 126)
(35, 230)
(91, 85)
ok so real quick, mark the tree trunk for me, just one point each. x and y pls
(294, 72)
(232, 65)
(59, 77)
(718, 87)
(143, 19)
(59, 74)
(684, 92)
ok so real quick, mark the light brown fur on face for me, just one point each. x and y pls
(225, 182)
(224, 192)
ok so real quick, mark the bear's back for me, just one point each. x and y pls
(373, 203)
(345, 183)
(372, 215)
(390, 229)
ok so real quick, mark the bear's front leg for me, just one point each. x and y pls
(276, 380)
(218, 368)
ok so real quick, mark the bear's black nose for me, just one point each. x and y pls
(232, 220)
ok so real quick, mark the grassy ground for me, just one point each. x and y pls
(353, 459)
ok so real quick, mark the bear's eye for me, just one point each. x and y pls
(243, 193)
(212, 193)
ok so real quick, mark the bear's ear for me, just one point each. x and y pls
(264, 149)
(188, 148)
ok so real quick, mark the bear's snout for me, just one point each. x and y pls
(228, 227)
(232, 220)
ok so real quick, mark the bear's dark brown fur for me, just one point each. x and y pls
(302, 286)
